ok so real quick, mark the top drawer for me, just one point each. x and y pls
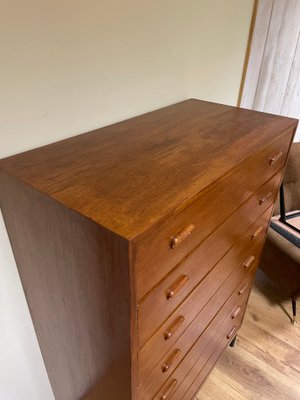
(157, 251)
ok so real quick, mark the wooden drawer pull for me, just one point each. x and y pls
(235, 312)
(257, 232)
(243, 289)
(231, 333)
(173, 327)
(264, 199)
(248, 262)
(170, 361)
(169, 390)
(176, 286)
(275, 158)
(182, 235)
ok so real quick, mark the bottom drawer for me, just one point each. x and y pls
(195, 387)
(223, 328)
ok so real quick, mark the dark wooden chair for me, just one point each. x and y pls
(281, 255)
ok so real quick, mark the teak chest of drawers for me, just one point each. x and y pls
(137, 245)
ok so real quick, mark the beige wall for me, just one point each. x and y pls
(220, 29)
(71, 66)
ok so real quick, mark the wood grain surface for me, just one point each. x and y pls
(200, 261)
(265, 364)
(127, 175)
(77, 287)
(222, 328)
(157, 346)
(154, 256)
(99, 220)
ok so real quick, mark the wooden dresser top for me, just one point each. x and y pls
(128, 175)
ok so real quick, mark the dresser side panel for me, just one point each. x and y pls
(76, 279)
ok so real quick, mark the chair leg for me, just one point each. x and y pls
(294, 306)
(232, 343)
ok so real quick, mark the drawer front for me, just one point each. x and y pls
(170, 336)
(194, 387)
(158, 250)
(196, 377)
(192, 382)
(181, 281)
(226, 323)
(188, 387)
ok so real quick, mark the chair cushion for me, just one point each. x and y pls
(293, 218)
(280, 261)
(291, 181)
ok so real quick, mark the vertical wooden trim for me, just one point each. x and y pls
(247, 56)
(264, 52)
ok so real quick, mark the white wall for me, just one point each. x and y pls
(71, 66)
